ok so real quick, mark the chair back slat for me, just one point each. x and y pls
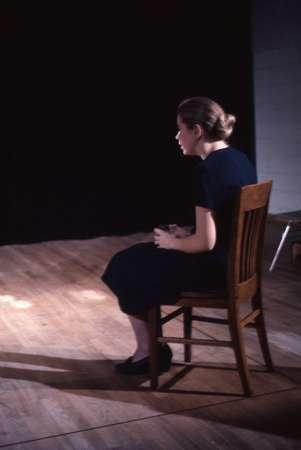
(248, 234)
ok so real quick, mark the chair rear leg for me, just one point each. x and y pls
(187, 333)
(154, 326)
(239, 351)
(262, 334)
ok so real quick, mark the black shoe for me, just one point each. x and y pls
(141, 366)
(129, 367)
(165, 357)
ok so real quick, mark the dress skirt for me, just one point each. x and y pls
(144, 275)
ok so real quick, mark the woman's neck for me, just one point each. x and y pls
(204, 149)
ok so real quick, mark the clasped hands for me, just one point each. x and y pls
(167, 237)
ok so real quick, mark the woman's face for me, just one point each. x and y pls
(186, 138)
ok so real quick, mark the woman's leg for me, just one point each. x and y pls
(140, 328)
(138, 364)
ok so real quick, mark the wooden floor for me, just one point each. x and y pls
(62, 332)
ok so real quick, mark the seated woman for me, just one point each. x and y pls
(154, 273)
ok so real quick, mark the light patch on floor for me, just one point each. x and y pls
(287, 341)
(89, 294)
(15, 302)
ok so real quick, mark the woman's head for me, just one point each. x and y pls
(203, 114)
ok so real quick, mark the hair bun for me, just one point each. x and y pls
(230, 120)
(224, 126)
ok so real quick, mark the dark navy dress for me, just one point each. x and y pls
(143, 275)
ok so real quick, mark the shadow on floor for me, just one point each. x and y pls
(276, 414)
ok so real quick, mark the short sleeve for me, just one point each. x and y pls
(206, 189)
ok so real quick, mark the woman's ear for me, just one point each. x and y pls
(198, 131)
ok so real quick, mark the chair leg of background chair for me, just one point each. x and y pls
(239, 351)
(262, 334)
(283, 238)
(295, 250)
(187, 333)
(154, 315)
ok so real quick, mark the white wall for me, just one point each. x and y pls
(276, 27)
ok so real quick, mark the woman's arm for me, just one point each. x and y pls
(203, 240)
(204, 237)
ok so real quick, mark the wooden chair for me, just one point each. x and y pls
(243, 285)
(292, 222)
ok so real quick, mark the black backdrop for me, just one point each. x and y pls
(92, 112)
(8, 16)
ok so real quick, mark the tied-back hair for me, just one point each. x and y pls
(218, 125)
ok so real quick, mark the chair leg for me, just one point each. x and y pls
(154, 326)
(295, 250)
(262, 334)
(187, 333)
(239, 351)
(283, 238)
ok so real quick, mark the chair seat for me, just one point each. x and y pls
(202, 295)
(210, 299)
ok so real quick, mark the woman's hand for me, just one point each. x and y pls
(180, 232)
(163, 239)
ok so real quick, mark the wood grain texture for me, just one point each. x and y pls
(61, 332)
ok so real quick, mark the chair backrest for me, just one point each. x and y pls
(245, 256)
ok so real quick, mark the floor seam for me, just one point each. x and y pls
(99, 427)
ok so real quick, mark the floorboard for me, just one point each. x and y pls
(61, 333)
